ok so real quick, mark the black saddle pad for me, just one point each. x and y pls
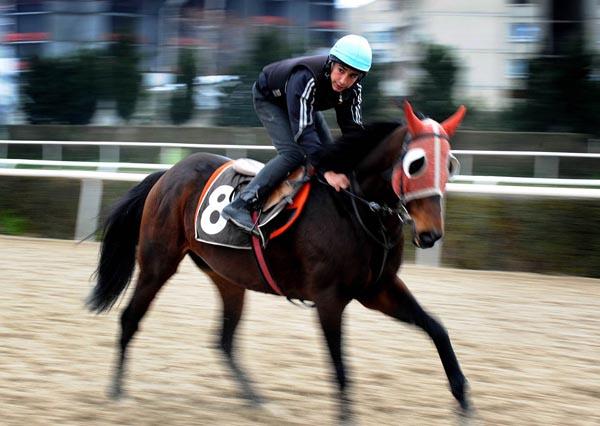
(210, 226)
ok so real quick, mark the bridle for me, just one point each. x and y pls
(405, 147)
(381, 212)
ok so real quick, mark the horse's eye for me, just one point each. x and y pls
(414, 162)
(453, 166)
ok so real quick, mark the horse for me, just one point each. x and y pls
(344, 246)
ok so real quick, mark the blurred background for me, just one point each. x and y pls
(180, 71)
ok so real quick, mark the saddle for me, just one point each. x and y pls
(288, 197)
(285, 191)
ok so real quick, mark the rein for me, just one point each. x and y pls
(403, 215)
(379, 211)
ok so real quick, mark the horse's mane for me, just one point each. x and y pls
(348, 150)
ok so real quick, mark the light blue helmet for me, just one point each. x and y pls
(354, 51)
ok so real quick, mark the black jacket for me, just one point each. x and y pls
(302, 86)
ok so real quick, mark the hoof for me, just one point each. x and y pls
(347, 420)
(116, 393)
(347, 417)
(466, 416)
(253, 401)
(465, 412)
(465, 408)
(273, 410)
(460, 391)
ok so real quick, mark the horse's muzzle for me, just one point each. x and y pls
(427, 239)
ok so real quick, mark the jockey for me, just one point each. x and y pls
(288, 97)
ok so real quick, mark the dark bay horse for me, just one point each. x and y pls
(337, 251)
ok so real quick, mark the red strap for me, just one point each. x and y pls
(260, 258)
(298, 205)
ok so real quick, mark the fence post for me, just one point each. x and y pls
(90, 195)
(546, 167)
(594, 145)
(466, 164)
(172, 155)
(4, 153)
(241, 138)
(52, 152)
(109, 154)
(3, 136)
(88, 211)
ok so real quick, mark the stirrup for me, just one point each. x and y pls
(244, 227)
(248, 226)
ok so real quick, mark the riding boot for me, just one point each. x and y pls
(240, 210)
(254, 194)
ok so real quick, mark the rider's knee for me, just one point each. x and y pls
(295, 157)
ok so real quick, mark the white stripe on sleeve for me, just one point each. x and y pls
(305, 118)
(356, 110)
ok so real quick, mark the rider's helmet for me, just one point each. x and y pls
(354, 51)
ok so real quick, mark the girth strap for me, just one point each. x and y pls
(259, 254)
(262, 262)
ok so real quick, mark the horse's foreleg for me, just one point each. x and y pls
(330, 311)
(233, 304)
(396, 301)
(153, 274)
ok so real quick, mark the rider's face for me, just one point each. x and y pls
(342, 77)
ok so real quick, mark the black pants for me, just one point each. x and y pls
(290, 154)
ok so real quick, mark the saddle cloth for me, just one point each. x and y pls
(221, 188)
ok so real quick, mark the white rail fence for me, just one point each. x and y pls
(545, 184)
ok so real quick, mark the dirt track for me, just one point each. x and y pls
(529, 344)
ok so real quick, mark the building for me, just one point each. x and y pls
(217, 28)
(492, 39)
(219, 32)
(8, 73)
(59, 27)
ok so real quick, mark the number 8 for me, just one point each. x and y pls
(217, 201)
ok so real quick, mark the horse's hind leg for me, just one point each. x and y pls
(233, 304)
(157, 265)
(395, 300)
(330, 309)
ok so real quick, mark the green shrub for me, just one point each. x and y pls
(182, 100)
(237, 110)
(523, 234)
(61, 90)
(12, 224)
(559, 94)
(126, 76)
(434, 91)
(182, 106)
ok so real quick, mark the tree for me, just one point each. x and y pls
(372, 95)
(61, 90)
(268, 46)
(182, 100)
(433, 93)
(126, 76)
(560, 93)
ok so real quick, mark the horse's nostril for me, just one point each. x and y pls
(428, 239)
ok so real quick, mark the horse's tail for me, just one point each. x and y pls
(120, 233)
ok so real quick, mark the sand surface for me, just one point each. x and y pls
(529, 345)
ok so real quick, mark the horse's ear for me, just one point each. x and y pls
(415, 126)
(451, 123)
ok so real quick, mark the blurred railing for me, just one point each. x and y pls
(92, 174)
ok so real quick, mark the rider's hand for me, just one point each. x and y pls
(337, 180)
